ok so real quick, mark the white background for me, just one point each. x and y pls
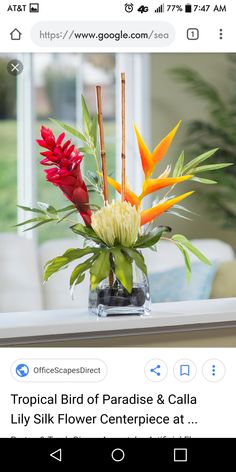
(214, 413)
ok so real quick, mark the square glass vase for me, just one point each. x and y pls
(114, 300)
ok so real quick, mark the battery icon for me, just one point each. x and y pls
(188, 8)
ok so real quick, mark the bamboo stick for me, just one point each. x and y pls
(102, 144)
(123, 138)
(103, 159)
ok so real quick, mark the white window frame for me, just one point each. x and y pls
(26, 172)
(136, 67)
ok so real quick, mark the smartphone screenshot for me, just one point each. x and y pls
(117, 234)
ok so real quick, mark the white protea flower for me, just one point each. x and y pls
(118, 222)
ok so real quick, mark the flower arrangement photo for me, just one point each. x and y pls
(113, 234)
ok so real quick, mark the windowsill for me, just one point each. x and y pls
(78, 324)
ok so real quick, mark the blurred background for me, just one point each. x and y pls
(200, 89)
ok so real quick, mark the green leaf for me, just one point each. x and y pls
(176, 213)
(123, 269)
(86, 150)
(32, 220)
(51, 210)
(204, 181)
(179, 165)
(181, 207)
(86, 116)
(151, 238)
(69, 207)
(185, 242)
(138, 258)
(67, 214)
(153, 248)
(46, 207)
(45, 210)
(59, 262)
(77, 253)
(93, 190)
(186, 261)
(93, 177)
(48, 220)
(70, 130)
(197, 160)
(33, 210)
(94, 129)
(87, 232)
(100, 268)
(75, 277)
(94, 207)
(209, 168)
(79, 279)
(56, 264)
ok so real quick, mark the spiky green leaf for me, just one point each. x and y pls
(176, 213)
(33, 210)
(48, 220)
(152, 237)
(100, 268)
(87, 232)
(208, 168)
(123, 269)
(179, 165)
(70, 130)
(67, 208)
(32, 220)
(94, 129)
(204, 181)
(67, 215)
(183, 208)
(198, 160)
(138, 258)
(186, 243)
(86, 150)
(93, 177)
(86, 116)
(47, 208)
(186, 261)
(61, 262)
(79, 270)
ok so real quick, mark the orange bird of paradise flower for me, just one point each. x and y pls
(149, 161)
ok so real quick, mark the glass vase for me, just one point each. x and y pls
(112, 299)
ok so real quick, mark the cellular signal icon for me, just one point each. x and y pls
(160, 9)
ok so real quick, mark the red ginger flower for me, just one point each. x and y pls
(66, 173)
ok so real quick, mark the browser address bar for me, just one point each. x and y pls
(103, 34)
